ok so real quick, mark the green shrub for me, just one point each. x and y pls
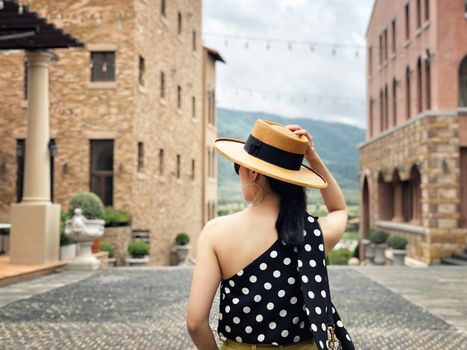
(115, 217)
(65, 240)
(397, 241)
(340, 256)
(107, 247)
(64, 216)
(377, 236)
(90, 203)
(182, 239)
(138, 249)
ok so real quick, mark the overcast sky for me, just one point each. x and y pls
(291, 79)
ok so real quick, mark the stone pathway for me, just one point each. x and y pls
(145, 308)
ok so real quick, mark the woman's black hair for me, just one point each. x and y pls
(290, 222)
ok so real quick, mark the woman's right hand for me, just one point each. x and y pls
(310, 153)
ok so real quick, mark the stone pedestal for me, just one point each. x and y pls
(85, 260)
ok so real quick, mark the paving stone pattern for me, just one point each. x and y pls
(126, 308)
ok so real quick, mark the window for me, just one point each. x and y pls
(428, 83)
(161, 162)
(370, 121)
(385, 40)
(393, 26)
(162, 87)
(381, 49)
(407, 92)
(427, 10)
(140, 156)
(179, 23)
(381, 110)
(370, 60)
(163, 8)
(192, 169)
(407, 21)
(103, 66)
(194, 40)
(213, 108)
(102, 159)
(179, 97)
(193, 107)
(463, 83)
(178, 166)
(465, 6)
(419, 86)
(209, 161)
(394, 102)
(141, 71)
(419, 14)
(386, 108)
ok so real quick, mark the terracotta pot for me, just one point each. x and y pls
(95, 245)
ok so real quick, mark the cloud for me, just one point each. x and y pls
(334, 84)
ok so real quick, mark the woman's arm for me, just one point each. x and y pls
(333, 225)
(204, 284)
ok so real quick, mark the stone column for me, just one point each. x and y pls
(35, 221)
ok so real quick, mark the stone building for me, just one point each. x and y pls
(131, 115)
(413, 163)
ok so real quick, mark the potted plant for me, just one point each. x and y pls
(92, 208)
(107, 247)
(138, 251)
(116, 217)
(182, 247)
(378, 238)
(398, 245)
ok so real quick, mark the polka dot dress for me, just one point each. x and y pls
(279, 298)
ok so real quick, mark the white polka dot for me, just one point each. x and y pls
(311, 295)
(323, 327)
(339, 323)
(324, 262)
(302, 324)
(223, 296)
(307, 311)
(307, 247)
(238, 339)
(232, 283)
(304, 232)
(293, 300)
(318, 278)
(248, 329)
(274, 343)
(300, 264)
(312, 263)
(259, 318)
(222, 337)
(287, 261)
(285, 333)
(239, 273)
(321, 247)
(311, 219)
(316, 232)
(295, 320)
(246, 309)
(220, 316)
(295, 249)
(245, 291)
(321, 345)
(257, 298)
(227, 290)
(253, 279)
(296, 339)
(281, 293)
(276, 274)
(227, 329)
(318, 310)
(272, 325)
(267, 285)
(348, 337)
(270, 306)
(261, 337)
(263, 266)
(304, 279)
(235, 300)
(227, 309)
(313, 327)
(273, 254)
(291, 280)
(323, 294)
(333, 310)
(282, 313)
(236, 320)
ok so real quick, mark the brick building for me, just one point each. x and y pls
(131, 115)
(413, 163)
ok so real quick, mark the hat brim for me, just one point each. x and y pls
(233, 150)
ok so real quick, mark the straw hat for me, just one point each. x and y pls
(275, 151)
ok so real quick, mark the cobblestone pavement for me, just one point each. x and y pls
(145, 308)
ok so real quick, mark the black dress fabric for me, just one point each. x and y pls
(265, 302)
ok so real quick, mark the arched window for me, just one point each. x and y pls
(414, 211)
(419, 86)
(381, 110)
(385, 199)
(407, 93)
(394, 102)
(428, 84)
(386, 108)
(463, 83)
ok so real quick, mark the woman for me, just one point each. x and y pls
(260, 254)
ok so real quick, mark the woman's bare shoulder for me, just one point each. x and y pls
(223, 223)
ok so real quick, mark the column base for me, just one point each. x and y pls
(35, 233)
(85, 259)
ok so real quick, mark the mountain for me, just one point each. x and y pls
(336, 144)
